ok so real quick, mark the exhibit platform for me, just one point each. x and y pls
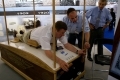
(33, 64)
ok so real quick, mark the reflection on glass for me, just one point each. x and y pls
(21, 13)
(29, 3)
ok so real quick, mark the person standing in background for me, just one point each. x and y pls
(74, 23)
(100, 19)
(112, 23)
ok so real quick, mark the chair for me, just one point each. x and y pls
(102, 59)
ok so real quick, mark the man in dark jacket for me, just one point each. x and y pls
(112, 23)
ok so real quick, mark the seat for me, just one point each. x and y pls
(33, 43)
(102, 59)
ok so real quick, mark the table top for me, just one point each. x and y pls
(64, 54)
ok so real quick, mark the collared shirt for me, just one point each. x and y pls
(43, 36)
(76, 26)
(93, 14)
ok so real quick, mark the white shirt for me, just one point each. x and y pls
(43, 36)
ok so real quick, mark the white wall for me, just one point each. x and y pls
(12, 23)
(1, 30)
(118, 15)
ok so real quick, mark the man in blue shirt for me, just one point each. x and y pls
(100, 19)
(74, 23)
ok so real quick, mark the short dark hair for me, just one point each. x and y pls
(60, 25)
(111, 9)
(103, 1)
(70, 10)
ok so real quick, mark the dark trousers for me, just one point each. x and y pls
(72, 39)
(96, 34)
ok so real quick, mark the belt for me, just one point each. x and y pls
(76, 33)
(99, 27)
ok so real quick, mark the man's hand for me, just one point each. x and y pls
(81, 52)
(105, 26)
(63, 65)
(91, 26)
(86, 45)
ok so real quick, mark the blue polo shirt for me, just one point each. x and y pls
(93, 14)
(76, 26)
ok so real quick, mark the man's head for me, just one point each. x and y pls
(72, 14)
(111, 10)
(102, 4)
(60, 29)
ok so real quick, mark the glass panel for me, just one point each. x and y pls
(88, 2)
(3, 36)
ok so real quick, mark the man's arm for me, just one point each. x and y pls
(45, 45)
(87, 30)
(106, 25)
(70, 47)
(87, 36)
(88, 13)
(109, 19)
(73, 49)
(62, 63)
